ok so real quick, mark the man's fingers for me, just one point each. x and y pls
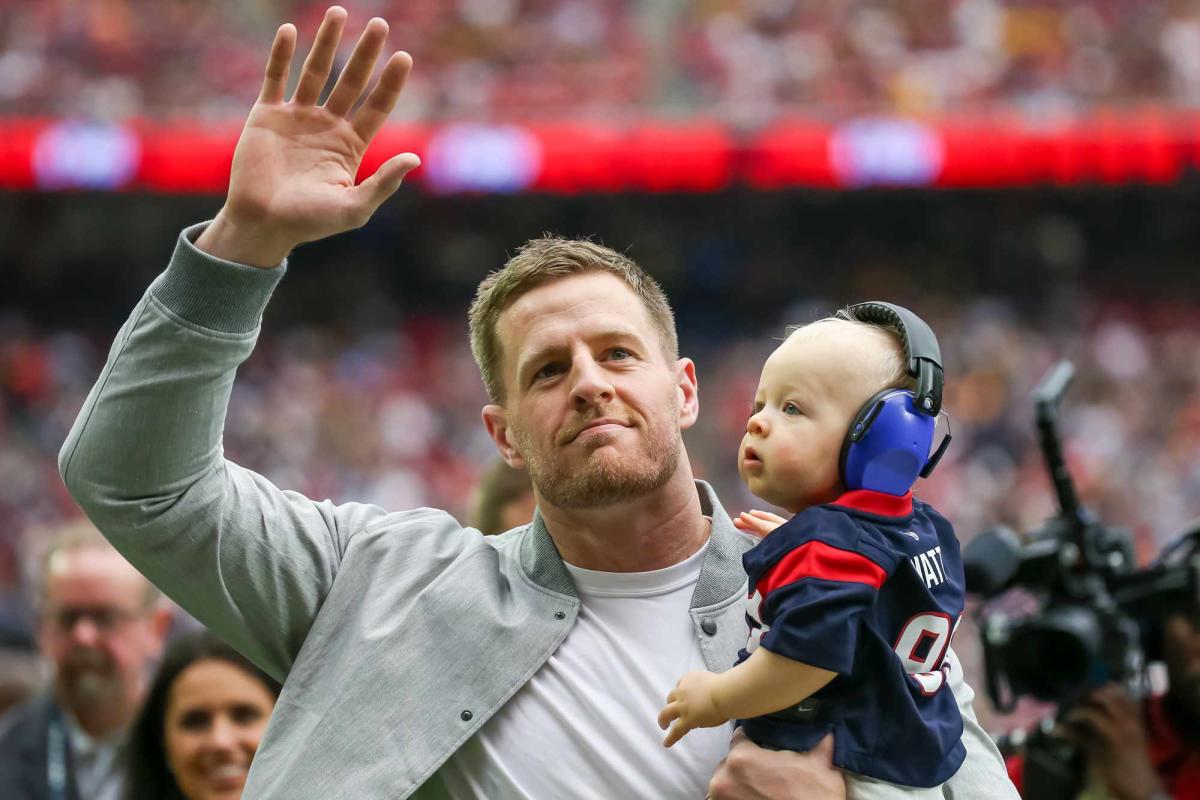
(824, 749)
(357, 72)
(320, 58)
(279, 64)
(379, 103)
(1094, 723)
(370, 194)
(1114, 700)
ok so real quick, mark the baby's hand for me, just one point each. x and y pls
(757, 523)
(690, 705)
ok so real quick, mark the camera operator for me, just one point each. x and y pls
(1143, 749)
(1101, 620)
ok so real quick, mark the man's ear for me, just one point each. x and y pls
(161, 617)
(689, 393)
(495, 419)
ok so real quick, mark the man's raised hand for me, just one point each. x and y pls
(293, 170)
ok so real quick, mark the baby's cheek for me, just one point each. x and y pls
(791, 468)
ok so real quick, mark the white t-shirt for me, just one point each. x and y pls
(585, 725)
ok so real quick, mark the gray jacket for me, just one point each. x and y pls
(398, 633)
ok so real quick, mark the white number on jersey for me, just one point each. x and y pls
(928, 671)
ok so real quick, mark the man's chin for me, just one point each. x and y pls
(595, 494)
(608, 478)
(90, 687)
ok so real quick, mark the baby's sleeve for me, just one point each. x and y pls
(813, 598)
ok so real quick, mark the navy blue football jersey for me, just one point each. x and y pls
(871, 587)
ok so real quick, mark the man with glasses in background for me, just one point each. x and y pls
(101, 625)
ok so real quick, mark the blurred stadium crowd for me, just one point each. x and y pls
(742, 60)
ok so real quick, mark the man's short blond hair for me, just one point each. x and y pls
(77, 534)
(538, 262)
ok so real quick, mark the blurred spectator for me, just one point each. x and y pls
(745, 60)
(101, 625)
(502, 501)
(201, 724)
(480, 59)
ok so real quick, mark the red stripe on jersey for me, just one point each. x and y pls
(820, 560)
(885, 505)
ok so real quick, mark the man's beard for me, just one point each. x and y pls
(606, 478)
(89, 679)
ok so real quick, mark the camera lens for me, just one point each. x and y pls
(1056, 656)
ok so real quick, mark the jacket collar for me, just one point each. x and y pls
(721, 574)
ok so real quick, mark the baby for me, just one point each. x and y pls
(852, 602)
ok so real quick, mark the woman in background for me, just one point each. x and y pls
(203, 718)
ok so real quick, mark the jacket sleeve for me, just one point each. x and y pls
(983, 774)
(144, 460)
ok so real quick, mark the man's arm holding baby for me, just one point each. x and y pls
(762, 684)
(751, 772)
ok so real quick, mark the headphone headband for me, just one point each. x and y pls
(921, 351)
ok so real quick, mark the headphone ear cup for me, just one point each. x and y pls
(859, 426)
(887, 445)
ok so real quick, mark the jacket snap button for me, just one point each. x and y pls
(708, 625)
(466, 716)
(560, 615)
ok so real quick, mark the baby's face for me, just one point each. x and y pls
(807, 396)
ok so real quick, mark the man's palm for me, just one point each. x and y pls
(294, 165)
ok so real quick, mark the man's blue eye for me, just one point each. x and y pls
(619, 354)
(791, 408)
(547, 371)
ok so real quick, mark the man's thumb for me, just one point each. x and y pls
(386, 180)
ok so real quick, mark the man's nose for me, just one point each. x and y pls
(85, 632)
(591, 383)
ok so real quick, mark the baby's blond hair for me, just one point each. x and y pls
(884, 368)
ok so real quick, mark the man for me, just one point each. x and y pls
(421, 658)
(503, 500)
(101, 626)
(1147, 750)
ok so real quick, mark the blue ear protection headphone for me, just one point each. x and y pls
(887, 446)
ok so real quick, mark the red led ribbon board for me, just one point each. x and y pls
(1147, 147)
